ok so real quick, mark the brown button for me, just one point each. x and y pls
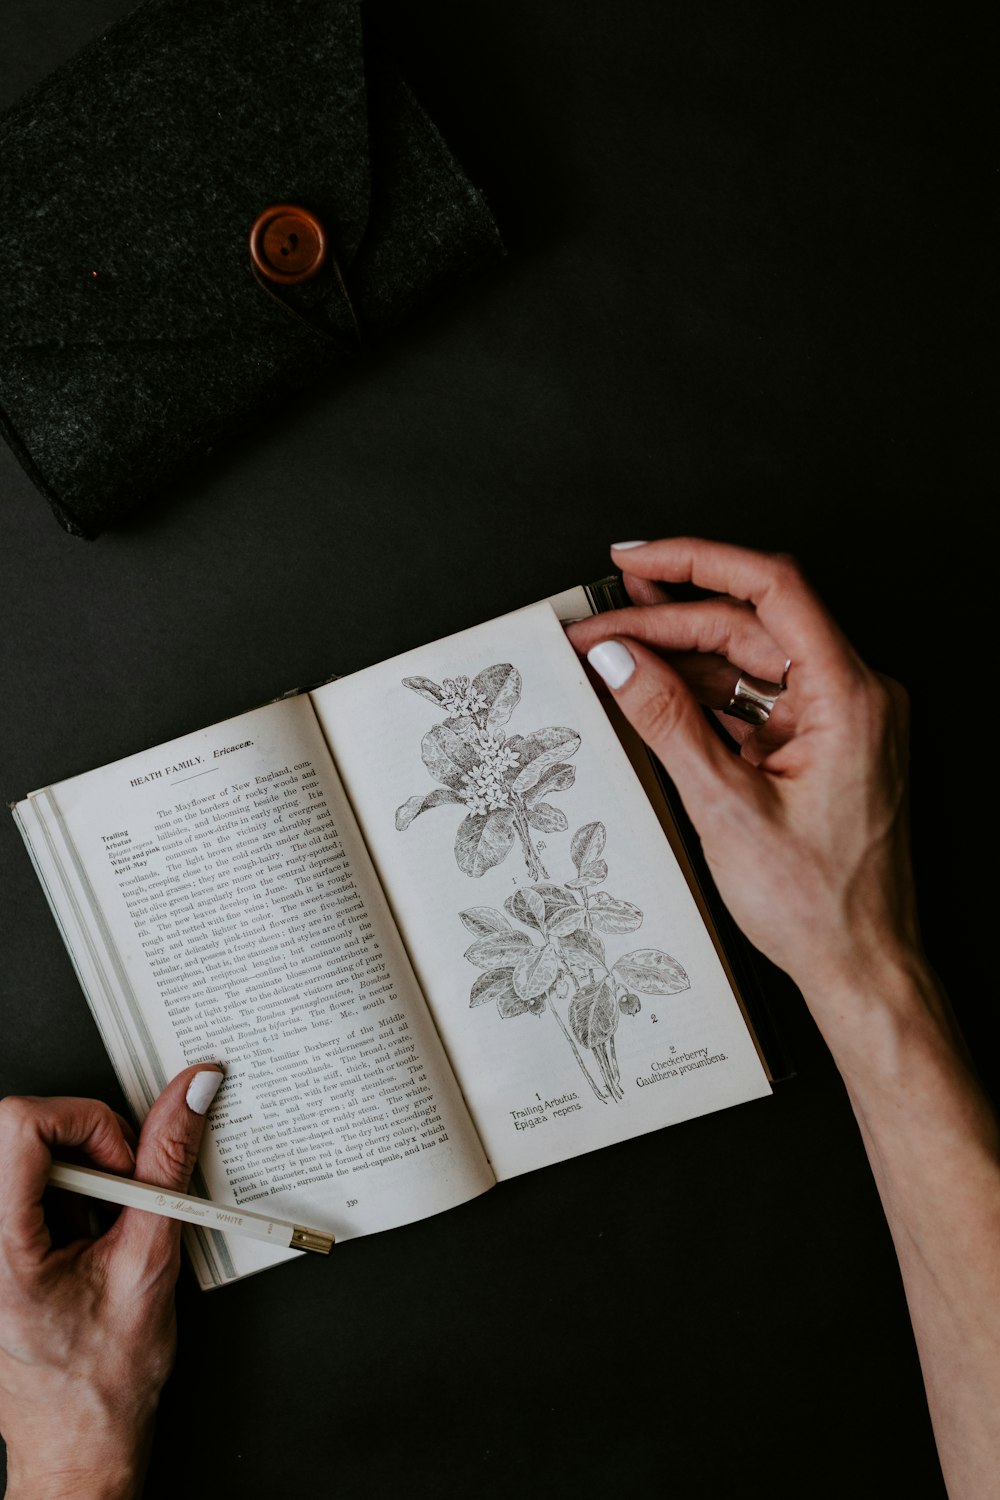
(287, 244)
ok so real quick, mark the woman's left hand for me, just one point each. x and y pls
(87, 1330)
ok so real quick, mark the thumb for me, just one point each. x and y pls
(659, 705)
(165, 1156)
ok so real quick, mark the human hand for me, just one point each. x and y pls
(87, 1331)
(805, 831)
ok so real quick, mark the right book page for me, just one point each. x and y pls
(571, 977)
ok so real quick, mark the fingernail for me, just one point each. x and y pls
(612, 661)
(131, 1153)
(202, 1090)
(624, 546)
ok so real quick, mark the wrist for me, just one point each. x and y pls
(895, 1040)
(874, 1010)
(47, 1462)
(109, 1477)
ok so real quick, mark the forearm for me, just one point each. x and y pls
(934, 1147)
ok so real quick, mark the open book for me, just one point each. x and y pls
(426, 916)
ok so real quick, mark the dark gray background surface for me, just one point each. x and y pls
(744, 298)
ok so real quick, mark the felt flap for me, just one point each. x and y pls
(134, 337)
(132, 175)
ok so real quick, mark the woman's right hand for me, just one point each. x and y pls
(806, 830)
(806, 835)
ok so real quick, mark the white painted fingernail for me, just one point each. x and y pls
(624, 546)
(202, 1090)
(613, 661)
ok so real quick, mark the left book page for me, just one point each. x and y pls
(219, 903)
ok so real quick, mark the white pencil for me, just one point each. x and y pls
(173, 1205)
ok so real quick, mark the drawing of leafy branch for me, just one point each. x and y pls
(561, 959)
(504, 783)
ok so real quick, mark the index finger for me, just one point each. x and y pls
(772, 582)
(29, 1130)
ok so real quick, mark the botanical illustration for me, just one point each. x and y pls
(503, 783)
(559, 964)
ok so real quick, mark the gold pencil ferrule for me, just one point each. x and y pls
(311, 1239)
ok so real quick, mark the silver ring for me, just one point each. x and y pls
(753, 698)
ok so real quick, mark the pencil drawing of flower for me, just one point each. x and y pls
(503, 783)
(461, 697)
(561, 964)
(485, 788)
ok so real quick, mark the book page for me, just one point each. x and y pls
(220, 904)
(560, 948)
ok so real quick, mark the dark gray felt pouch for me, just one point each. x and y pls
(134, 333)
